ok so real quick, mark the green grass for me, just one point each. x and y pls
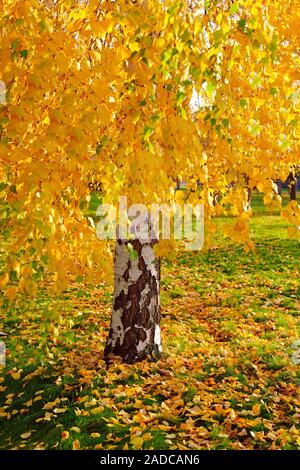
(225, 380)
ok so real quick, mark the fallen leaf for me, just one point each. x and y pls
(16, 375)
(65, 435)
(76, 444)
(137, 442)
(51, 404)
(59, 410)
(256, 409)
(75, 429)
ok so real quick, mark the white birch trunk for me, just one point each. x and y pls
(134, 330)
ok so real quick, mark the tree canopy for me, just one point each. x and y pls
(139, 93)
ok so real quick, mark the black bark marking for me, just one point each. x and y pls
(140, 335)
(137, 246)
(126, 274)
(119, 301)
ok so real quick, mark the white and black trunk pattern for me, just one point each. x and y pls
(134, 329)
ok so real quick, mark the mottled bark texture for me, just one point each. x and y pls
(134, 330)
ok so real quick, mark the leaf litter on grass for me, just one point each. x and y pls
(225, 380)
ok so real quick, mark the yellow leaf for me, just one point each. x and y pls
(75, 429)
(97, 410)
(95, 434)
(59, 410)
(179, 196)
(51, 404)
(256, 409)
(96, 393)
(16, 375)
(137, 442)
(76, 444)
(26, 435)
(4, 280)
(11, 293)
(37, 398)
(65, 435)
(134, 46)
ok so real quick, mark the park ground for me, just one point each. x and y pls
(226, 379)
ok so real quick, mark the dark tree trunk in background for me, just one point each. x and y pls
(279, 187)
(249, 197)
(249, 191)
(292, 184)
(134, 329)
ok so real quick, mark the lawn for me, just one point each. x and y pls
(225, 380)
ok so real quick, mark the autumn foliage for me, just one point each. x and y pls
(137, 95)
(106, 87)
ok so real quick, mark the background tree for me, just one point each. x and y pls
(292, 185)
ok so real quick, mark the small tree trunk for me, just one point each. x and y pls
(279, 187)
(249, 197)
(249, 192)
(134, 329)
(292, 186)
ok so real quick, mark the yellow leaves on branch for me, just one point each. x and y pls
(292, 214)
(164, 248)
(4, 280)
(136, 92)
